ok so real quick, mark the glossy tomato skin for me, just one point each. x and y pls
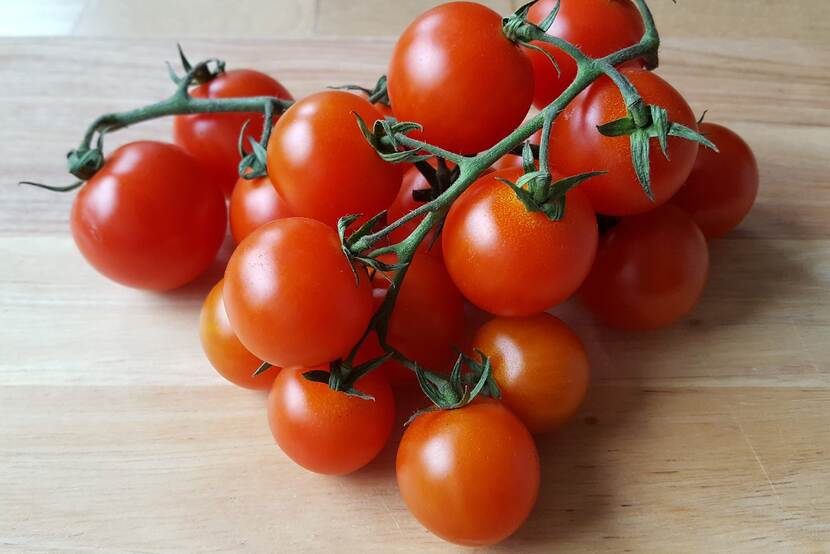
(254, 202)
(213, 138)
(427, 323)
(540, 365)
(291, 296)
(150, 218)
(323, 165)
(404, 203)
(223, 349)
(650, 271)
(470, 475)
(597, 27)
(454, 72)
(326, 431)
(721, 189)
(619, 192)
(512, 262)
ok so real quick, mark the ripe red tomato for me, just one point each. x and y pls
(427, 322)
(721, 189)
(322, 165)
(326, 431)
(597, 27)
(213, 138)
(470, 475)
(540, 365)
(223, 349)
(404, 203)
(291, 295)
(150, 218)
(440, 77)
(650, 271)
(619, 192)
(254, 202)
(512, 262)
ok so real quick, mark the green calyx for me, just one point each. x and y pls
(348, 240)
(384, 137)
(342, 376)
(201, 73)
(641, 130)
(84, 162)
(377, 95)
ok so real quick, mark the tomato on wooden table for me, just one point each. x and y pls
(150, 218)
(322, 165)
(513, 262)
(619, 191)
(721, 189)
(650, 271)
(291, 295)
(455, 72)
(540, 366)
(213, 138)
(254, 202)
(327, 431)
(470, 475)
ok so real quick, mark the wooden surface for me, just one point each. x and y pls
(116, 435)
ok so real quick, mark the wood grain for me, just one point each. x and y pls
(713, 435)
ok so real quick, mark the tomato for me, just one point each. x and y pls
(404, 203)
(619, 191)
(254, 202)
(223, 349)
(454, 72)
(291, 296)
(597, 27)
(323, 166)
(213, 138)
(650, 271)
(540, 365)
(721, 189)
(427, 322)
(326, 431)
(510, 261)
(150, 218)
(470, 475)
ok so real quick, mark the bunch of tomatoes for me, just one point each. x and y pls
(315, 320)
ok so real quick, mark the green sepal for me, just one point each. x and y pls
(53, 188)
(681, 131)
(545, 53)
(255, 164)
(550, 18)
(640, 150)
(617, 128)
(382, 139)
(262, 369)
(317, 376)
(661, 125)
(528, 158)
(84, 162)
(549, 199)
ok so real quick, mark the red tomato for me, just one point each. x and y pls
(470, 475)
(597, 27)
(254, 203)
(650, 271)
(619, 192)
(721, 189)
(223, 349)
(323, 166)
(427, 322)
(540, 365)
(509, 261)
(326, 431)
(291, 295)
(404, 203)
(150, 218)
(212, 138)
(454, 72)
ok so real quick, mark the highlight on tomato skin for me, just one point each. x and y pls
(722, 186)
(223, 349)
(254, 202)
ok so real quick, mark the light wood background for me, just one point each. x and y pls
(116, 435)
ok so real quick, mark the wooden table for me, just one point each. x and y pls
(713, 435)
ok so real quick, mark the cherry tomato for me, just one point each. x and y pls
(213, 138)
(150, 218)
(427, 322)
(509, 261)
(454, 72)
(619, 192)
(223, 349)
(323, 166)
(404, 203)
(470, 475)
(254, 202)
(597, 27)
(721, 189)
(327, 431)
(540, 365)
(291, 295)
(650, 271)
